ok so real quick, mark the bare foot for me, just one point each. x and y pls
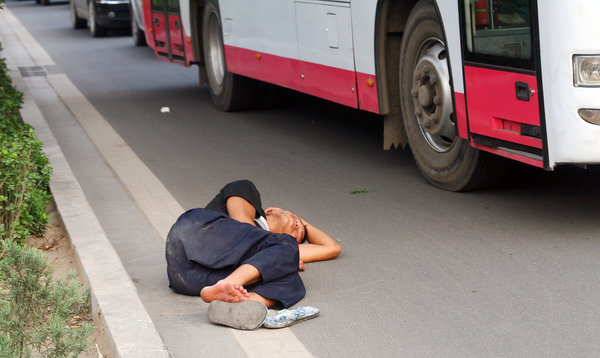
(224, 291)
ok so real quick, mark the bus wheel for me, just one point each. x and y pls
(76, 21)
(446, 160)
(229, 91)
(138, 35)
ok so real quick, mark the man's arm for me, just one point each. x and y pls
(240, 209)
(320, 246)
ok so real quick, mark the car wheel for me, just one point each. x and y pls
(76, 21)
(139, 38)
(446, 160)
(95, 29)
(229, 91)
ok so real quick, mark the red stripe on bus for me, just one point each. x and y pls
(333, 84)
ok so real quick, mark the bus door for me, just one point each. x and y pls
(167, 30)
(502, 78)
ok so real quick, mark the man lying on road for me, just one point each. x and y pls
(233, 251)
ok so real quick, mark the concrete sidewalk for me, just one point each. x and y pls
(117, 215)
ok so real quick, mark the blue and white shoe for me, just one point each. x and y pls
(286, 318)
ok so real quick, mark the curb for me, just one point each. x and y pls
(114, 300)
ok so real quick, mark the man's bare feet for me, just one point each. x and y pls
(224, 291)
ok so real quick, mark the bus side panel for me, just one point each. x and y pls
(311, 50)
(325, 51)
(267, 26)
(176, 36)
(331, 83)
(493, 109)
(278, 70)
(159, 29)
(147, 19)
(314, 79)
(363, 36)
(366, 85)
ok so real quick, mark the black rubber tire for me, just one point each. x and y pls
(458, 167)
(230, 92)
(138, 35)
(95, 29)
(45, 2)
(76, 21)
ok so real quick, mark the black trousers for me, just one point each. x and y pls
(204, 247)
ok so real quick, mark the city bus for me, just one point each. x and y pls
(463, 83)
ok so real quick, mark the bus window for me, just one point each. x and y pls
(173, 6)
(158, 5)
(499, 29)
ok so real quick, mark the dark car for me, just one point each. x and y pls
(100, 15)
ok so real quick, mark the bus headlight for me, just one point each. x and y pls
(590, 115)
(586, 71)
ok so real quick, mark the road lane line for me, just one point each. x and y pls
(158, 205)
(150, 195)
(37, 52)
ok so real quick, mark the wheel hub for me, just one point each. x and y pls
(432, 98)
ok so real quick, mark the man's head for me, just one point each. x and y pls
(284, 222)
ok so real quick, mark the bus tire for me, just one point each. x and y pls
(445, 160)
(229, 92)
(95, 29)
(138, 35)
(76, 21)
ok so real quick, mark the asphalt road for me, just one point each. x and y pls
(511, 271)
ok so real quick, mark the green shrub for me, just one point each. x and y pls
(24, 170)
(35, 311)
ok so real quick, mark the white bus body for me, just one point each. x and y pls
(454, 79)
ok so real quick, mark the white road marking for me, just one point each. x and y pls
(36, 51)
(150, 195)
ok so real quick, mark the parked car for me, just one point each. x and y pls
(137, 22)
(100, 15)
